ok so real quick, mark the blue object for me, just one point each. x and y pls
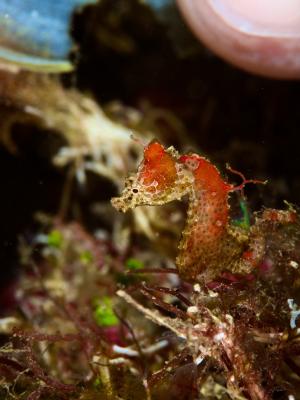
(159, 4)
(35, 33)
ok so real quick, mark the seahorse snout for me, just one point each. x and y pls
(120, 204)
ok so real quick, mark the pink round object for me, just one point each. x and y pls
(260, 36)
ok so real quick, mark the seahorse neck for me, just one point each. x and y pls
(208, 202)
(207, 215)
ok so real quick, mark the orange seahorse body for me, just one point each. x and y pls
(209, 244)
(206, 242)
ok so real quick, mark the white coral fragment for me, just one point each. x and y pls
(295, 312)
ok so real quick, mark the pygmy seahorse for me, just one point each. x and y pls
(210, 244)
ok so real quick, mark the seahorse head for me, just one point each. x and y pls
(156, 182)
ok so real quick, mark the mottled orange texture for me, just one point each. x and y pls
(283, 217)
(158, 170)
(213, 191)
(207, 239)
(207, 176)
(210, 243)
